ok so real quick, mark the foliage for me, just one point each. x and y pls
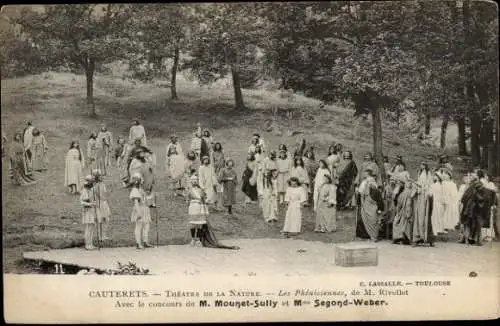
(227, 36)
(78, 35)
(156, 31)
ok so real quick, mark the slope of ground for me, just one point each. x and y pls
(45, 216)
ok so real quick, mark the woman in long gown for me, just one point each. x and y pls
(311, 167)
(249, 180)
(209, 140)
(370, 207)
(347, 172)
(39, 151)
(326, 213)
(228, 179)
(259, 170)
(219, 163)
(89, 210)
(436, 198)
(319, 180)
(295, 197)
(92, 152)
(284, 164)
(18, 165)
(450, 201)
(402, 225)
(208, 180)
(269, 203)
(422, 232)
(73, 173)
(176, 163)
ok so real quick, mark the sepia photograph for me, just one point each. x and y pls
(212, 161)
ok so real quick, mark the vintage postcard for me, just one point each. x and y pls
(211, 162)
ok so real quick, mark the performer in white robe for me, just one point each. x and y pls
(319, 180)
(176, 163)
(436, 193)
(284, 164)
(105, 137)
(73, 172)
(295, 196)
(450, 201)
(28, 141)
(208, 180)
(137, 131)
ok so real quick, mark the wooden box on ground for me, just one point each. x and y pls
(356, 254)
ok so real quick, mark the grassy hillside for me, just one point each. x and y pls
(45, 216)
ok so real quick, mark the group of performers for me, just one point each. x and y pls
(418, 212)
(27, 155)
(395, 207)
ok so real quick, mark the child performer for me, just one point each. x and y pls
(120, 146)
(284, 164)
(319, 180)
(326, 212)
(270, 196)
(295, 197)
(103, 211)
(89, 211)
(229, 181)
(141, 213)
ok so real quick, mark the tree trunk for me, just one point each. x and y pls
(444, 127)
(427, 124)
(89, 76)
(238, 96)
(377, 139)
(173, 77)
(475, 144)
(462, 147)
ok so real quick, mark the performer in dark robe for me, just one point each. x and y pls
(18, 171)
(402, 225)
(370, 206)
(299, 151)
(133, 153)
(249, 186)
(347, 174)
(472, 213)
(205, 149)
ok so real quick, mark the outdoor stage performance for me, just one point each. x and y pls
(235, 138)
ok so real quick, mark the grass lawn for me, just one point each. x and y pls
(46, 216)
